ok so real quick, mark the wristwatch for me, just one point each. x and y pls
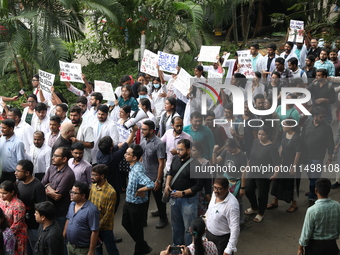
(183, 193)
(159, 181)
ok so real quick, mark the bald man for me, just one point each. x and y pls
(64, 140)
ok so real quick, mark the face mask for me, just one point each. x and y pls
(142, 96)
(156, 85)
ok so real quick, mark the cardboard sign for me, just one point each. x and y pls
(244, 60)
(149, 63)
(182, 82)
(209, 53)
(296, 28)
(167, 62)
(105, 88)
(214, 78)
(46, 81)
(70, 72)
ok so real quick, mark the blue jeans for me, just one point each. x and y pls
(182, 213)
(313, 177)
(108, 239)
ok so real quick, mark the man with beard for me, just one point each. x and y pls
(82, 103)
(40, 155)
(31, 192)
(324, 63)
(288, 53)
(43, 121)
(184, 193)
(80, 167)
(309, 67)
(256, 57)
(64, 140)
(333, 57)
(285, 74)
(104, 197)
(95, 100)
(54, 133)
(61, 111)
(268, 61)
(83, 132)
(312, 47)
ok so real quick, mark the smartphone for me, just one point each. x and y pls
(175, 250)
(21, 92)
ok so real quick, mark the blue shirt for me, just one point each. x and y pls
(11, 151)
(137, 180)
(81, 224)
(328, 65)
(131, 102)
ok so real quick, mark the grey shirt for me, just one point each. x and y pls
(154, 149)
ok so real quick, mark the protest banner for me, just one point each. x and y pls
(149, 63)
(167, 62)
(244, 61)
(209, 53)
(46, 81)
(182, 82)
(214, 78)
(70, 72)
(296, 29)
(105, 88)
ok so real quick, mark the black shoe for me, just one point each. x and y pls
(118, 239)
(162, 223)
(335, 185)
(155, 213)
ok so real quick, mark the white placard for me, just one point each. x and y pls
(105, 88)
(149, 63)
(295, 31)
(244, 61)
(70, 72)
(182, 82)
(168, 62)
(46, 81)
(214, 78)
(209, 53)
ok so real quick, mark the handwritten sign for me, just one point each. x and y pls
(105, 88)
(167, 62)
(214, 78)
(209, 53)
(296, 28)
(182, 82)
(46, 81)
(149, 63)
(244, 60)
(70, 72)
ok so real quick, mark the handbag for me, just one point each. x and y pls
(166, 198)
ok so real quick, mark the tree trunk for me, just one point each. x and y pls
(259, 18)
(234, 11)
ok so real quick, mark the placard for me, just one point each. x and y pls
(70, 72)
(168, 62)
(149, 63)
(209, 53)
(182, 82)
(244, 61)
(296, 29)
(46, 81)
(214, 78)
(105, 88)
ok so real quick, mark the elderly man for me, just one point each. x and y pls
(64, 140)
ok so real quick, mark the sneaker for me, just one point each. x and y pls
(335, 185)
(162, 223)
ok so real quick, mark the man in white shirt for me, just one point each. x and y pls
(61, 112)
(22, 130)
(82, 103)
(95, 100)
(103, 126)
(288, 53)
(40, 155)
(36, 89)
(296, 71)
(42, 122)
(256, 57)
(223, 218)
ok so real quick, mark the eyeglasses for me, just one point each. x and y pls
(18, 171)
(57, 156)
(35, 80)
(145, 129)
(73, 193)
(217, 188)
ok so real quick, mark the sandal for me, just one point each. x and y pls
(250, 211)
(292, 209)
(272, 206)
(258, 218)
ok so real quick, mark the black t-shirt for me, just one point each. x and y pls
(235, 162)
(31, 194)
(290, 148)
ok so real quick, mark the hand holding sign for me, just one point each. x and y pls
(46, 80)
(70, 72)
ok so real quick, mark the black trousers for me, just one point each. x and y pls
(262, 185)
(160, 205)
(133, 221)
(319, 247)
(221, 242)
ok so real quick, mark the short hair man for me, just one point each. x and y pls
(31, 192)
(256, 57)
(135, 207)
(293, 65)
(95, 100)
(313, 48)
(54, 132)
(64, 140)
(11, 150)
(322, 223)
(40, 155)
(285, 73)
(82, 225)
(80, 167)
(61, 111)
(288, 53)
(84, 105)
(309, 67)
(104, 197)
(50, 240)
(37, 89)
(42, 122)
(333, 57)
(324, 63)
(268, 61)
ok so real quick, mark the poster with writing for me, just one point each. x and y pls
(70, 72)
(167, 62)
(214, 78)
(46, 80)
(209, 53)
(105, 88)
(296, 29)
(182, 82)
(149, 63)
(244, 61)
